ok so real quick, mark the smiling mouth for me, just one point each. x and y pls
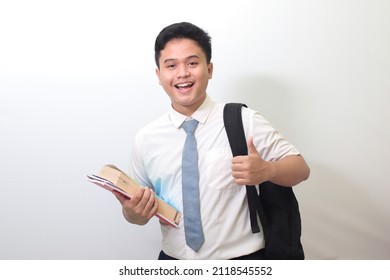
(184, 86)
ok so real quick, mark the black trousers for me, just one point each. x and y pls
(258, 255)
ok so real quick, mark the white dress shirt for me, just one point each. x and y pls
(156, 163)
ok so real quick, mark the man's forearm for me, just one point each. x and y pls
(290, 171)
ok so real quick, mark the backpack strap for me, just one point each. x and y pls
(235, 131)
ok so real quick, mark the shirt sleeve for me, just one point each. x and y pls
(268, 140)
(137, 169)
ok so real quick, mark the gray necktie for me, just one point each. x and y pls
(190, 188)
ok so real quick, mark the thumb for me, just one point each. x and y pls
(251, 147)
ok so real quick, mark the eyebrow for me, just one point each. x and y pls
(187, 58)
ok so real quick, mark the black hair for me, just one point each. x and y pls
(182, 30)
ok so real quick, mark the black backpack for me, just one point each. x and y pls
(276, 205)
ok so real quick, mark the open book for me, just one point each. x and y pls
(113, 179)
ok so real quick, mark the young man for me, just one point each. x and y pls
(184, 68)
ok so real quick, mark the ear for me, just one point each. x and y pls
(158, 75)
(210, 68)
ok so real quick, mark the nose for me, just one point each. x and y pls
(182, 72)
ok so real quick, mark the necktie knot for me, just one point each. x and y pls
(190, 126)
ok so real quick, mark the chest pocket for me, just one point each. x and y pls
(219, 170)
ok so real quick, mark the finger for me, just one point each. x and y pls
(242, 182)
(251, 147)
(146, 201)
(149, 199)
(138, 196)
(235, 166)
(238, 159)
(236, 175)
(147, 206)
(154, 207)
(239, 174)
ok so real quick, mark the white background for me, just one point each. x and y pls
(77, 81)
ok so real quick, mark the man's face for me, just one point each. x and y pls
(184, 74)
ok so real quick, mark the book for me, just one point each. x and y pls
(113, 179)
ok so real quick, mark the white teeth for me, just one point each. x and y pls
(186, 85)
(183, 85)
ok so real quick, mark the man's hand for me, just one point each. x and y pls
(251, 169)
(140, 208)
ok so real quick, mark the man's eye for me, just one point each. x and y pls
(193, 63)
(171, 66)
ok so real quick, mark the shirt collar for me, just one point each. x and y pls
(201, 114)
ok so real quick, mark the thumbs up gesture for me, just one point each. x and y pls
(251, 169)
